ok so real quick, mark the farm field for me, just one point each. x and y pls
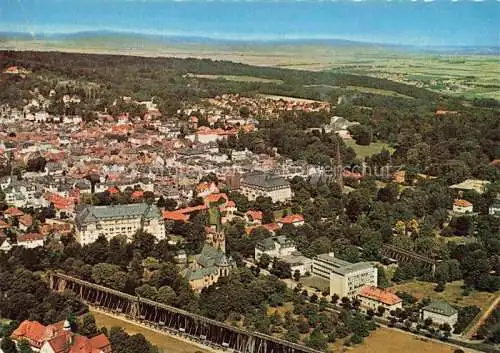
(452, 293)
(454, 74)
(237, 78)
(371, 149)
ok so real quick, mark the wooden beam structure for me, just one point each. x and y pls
(406, 256)
(173, 320)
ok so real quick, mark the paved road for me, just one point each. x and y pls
(483, 318)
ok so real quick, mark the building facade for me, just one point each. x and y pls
(462, 206)
(275, 247)
(346, 279)
(372, 298)
(118, 220)
(212, 263)
(257, 184)
(441, 313)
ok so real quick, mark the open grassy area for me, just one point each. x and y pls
(238, 78)
(165, 343)
(452, 293)
(371, 149)
(382, 92)
(385, 340)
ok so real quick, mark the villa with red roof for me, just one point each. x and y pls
(30, 240)
(462, 206)
(372, 297)
(254, 217)
(294, 219)
(58, 338)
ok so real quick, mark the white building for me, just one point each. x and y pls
(372, 297)
(257, 184)
(31, 240)
(440, 312)
(494, 209)
(462, 206)
(346, 279)
(274, 247)
(299, 263)
(118, 220)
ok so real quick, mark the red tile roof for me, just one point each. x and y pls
(215, 197)
(34, 331)
(30, 237)
(14, 212)
(255, 215)
(462, 203)
(26, 220)
(137, 194)
(290, 219)
(380, 295)
(175, 216)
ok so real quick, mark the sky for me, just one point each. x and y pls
(410, 22)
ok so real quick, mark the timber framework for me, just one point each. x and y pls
(173, 320)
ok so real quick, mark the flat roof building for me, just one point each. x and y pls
(346, 279)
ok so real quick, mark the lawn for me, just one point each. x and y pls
(385, 340)
(371, 149)
(452, 293)
(237, 78)
(382, 92)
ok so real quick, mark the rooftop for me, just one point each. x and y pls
(380, 295)
(91, 214)
(441, 308)
(264, 180)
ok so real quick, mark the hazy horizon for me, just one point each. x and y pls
(412, 23)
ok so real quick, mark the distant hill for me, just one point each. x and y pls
(104, 37)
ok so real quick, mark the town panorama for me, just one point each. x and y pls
(188, 204)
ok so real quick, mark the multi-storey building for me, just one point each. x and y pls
(372, 298)
(346, 279)
(118, 220)
(257, 184)
(440, 313)
(275, 247)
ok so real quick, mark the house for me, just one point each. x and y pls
(58, 338)
(441, 313)
(294, 219)
(25, 221)
(372, 297)
(13, 212)
(254, 217)
(462, 206)
(273, 247)
(494, 209)
(118, 220)
(5, 245)
(256, 184)
(30, 240)
(346, 279)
